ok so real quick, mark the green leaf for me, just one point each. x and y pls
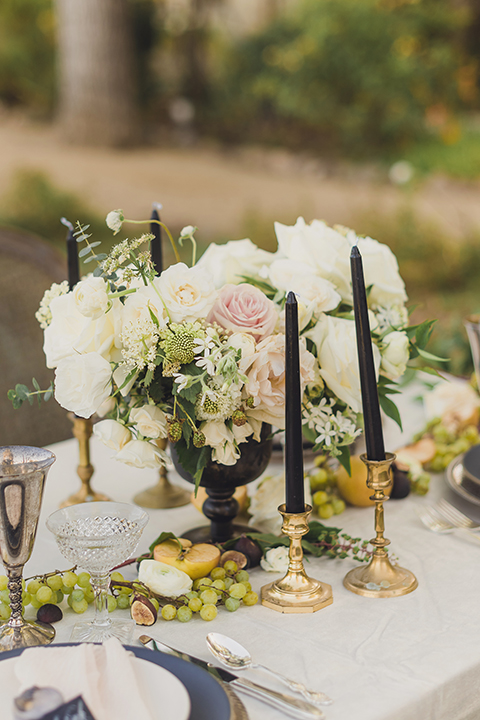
(423, 333)
(97, 272)
(15, 400)
(36, 385)
(430, 356)
(344, 458)
(390, 409)
(22, 391)
(153, 317)
(84, 251)
(204, 457)
(89, 260)
(165, 536)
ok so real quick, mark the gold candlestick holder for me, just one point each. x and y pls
(380, 579)
(296, 592)
(163, 494)
(82, 430)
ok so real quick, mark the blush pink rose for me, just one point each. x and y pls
(244, 308)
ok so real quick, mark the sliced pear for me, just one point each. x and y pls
(197, 560)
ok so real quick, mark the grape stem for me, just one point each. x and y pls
(44, 576)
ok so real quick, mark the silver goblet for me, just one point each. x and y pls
(23, 471)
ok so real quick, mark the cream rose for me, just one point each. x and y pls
(266, 379)
(83, 383)
(65, 328)
(164, 579)
(139, 304)
(91, 297)
(395, 354)
(188, 293)
(228, 263)
(276, 560)
(120, 374)
(224, 441)
(246, 344)
(141, 454)
(336, 343)
(103, 335)
(244, 308)
(311, 289)
(151, 422)
(269, 494)
(106, 407)
(380, 269)
(112, 434)
(455, 402)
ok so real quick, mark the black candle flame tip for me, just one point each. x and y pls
(355, 252)
(291, 298)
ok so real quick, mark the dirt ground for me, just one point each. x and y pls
(216, 190)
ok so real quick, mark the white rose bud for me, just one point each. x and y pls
(164, 579)
(151, 422)
(91, 297)
(83, 383)
(395, 354)
(140, 454)
(112, 433)
(115, 220)
(275, 560)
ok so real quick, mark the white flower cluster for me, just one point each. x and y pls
(44, 314)
(140, 338)
(332, 429)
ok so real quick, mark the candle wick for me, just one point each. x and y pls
(67, 223)
(157, 206)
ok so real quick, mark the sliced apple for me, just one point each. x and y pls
(240, 495)
(196, 560)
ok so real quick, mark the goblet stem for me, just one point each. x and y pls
(15, 592)
(100, 584)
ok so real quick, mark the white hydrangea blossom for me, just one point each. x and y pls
(44, 314)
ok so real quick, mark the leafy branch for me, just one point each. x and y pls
(22, 393)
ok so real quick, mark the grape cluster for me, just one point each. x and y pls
(323, 485)
(448, 444)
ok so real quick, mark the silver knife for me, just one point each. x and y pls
(289, 704)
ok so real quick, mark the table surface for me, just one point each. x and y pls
(415, 657)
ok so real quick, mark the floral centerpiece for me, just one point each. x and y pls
(196, 354)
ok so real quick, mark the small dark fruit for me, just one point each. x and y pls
(237, 557)
(49, 613)
(143, 611)
(249, 548)
(401, 484)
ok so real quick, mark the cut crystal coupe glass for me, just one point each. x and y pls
(97, 536)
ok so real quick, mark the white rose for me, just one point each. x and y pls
(83, 383)
(224, 441)
(138, 305)
(395, 354)
(229, 262)
(270, 493)
(246, 343)
(286, 274)
(188, 293)
(164, 579)
(106, 407)
(455, 402)
(380, 269)
(65, 328)
(120, 374)
(112, 433)
(114, 220)
(276, 560)
(103, 335)
(336, 343)
(320, 247)
(150, 421)
(91, 297)
(141, 454)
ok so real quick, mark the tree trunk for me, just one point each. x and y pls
(97, 94)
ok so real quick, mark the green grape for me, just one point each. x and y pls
(320, 497)
(79, 606)
(169, 612)
(83, 579)
(338, 506)
(69, 579)
(228, 582)
(26, 598)
(67, 589)
(3, 582)
(230, 567)
(44, 594)
(184, 614)
(77, 595)
(247, 585)
(33, 586)
(192, 594)
(59, 595)
(201, 583)
(90, 595)
(218, 573)
(69, 600)
(325, 511)
(195, 604)
(125, 590)
(218, 585)
(117, 577)
(55, 582)
(208, 597)
(318, 479)
(154, 602)
(471, 434)
(4, 611)
(123, 601)
(238, 591)
(111, 603)
(208, 612)
(242, 576)
(34, 603)
(4, 596)
(251, 598)
(232, 604)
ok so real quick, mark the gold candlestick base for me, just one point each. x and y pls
(296, 592)
(380, 578)
(82, 430)
(163, 495)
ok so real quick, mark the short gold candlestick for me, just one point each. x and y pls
(380, 578)
(82, 430)
(163, 494)
(296, 592)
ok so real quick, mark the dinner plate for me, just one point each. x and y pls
(192, 694)
(460, 483)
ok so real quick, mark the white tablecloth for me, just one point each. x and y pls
(415, 657)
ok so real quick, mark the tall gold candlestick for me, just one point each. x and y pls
(380, 578)
(163, 494)
(296, 592)
(82, 430)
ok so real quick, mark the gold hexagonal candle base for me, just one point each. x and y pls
(296, 592)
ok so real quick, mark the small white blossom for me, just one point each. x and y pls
(187, 231)
(140, 339)
(181, 380)
(115, 220)
(395, 317)
(44, 314)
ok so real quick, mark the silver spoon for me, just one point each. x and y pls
(235, 656)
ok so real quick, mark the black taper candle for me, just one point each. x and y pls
(156, 242)
(72, 255)
(294, 487)
(368, 380)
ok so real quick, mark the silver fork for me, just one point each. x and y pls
(432, 520)
(454, 516)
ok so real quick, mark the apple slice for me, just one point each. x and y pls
(196, 560)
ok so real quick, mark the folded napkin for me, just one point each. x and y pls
(104, 675)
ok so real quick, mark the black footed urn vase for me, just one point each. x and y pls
(220, 482)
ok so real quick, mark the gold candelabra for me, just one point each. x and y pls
(82, 430)
(296, 592)
(163, 494)
(380, 578)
